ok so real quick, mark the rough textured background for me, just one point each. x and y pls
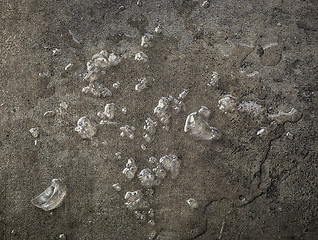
(247, 186)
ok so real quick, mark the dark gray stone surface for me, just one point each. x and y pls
(249, 184)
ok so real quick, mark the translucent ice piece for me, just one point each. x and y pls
(135, 200)
(52, 197)
(160, 171)
(35, 132)
(160, 109)
(214, 79)
(131, 169)
(197, 126)
(145, 40)
(170, 163)
(109, 111)
(85, 127)
(141, 85)
(192, 203)
(140, 56)
(127, 131)
(227, 104)
(147, 178)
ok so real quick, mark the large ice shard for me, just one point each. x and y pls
(52, 197)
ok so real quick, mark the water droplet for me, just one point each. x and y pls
(192, 203)
(131, 169)
(117, 187)
(35, 132)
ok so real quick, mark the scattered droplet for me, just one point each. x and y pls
(50, 113)
(205, 4)
(290, 136)
(73, 37)
(139, 3)
(56, 51)
(124, 110)
(262, 131)
(151, 213)
(127, 131)
(140, 215)
(109, 111)
(141, 56)
(64, 105)
(153, 161)
(35, 132)
(122, 8)
(158, 29)
(68, 66)
(135, 200)
(62, 236)
(183, 94)
(151, 222)
(145, 40)
(117, 187)
(131, 169)
(141, 85)
(161, 111)
(192, 203)
(159, 171)
(152, 235)
(116, 85)
(118, 155)
(97, 90)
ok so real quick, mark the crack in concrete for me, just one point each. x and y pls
(263, 161)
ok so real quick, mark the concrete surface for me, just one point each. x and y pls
(249, 184)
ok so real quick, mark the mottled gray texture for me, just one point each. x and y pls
(247, 184)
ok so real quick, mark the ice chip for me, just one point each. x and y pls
(85, 128)
(197, 126)
(52, 197)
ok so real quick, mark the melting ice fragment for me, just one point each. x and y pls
(171, 163)
(136, 200)
(147, 178)
(35, 132)
(131, 169)
(192, 203)
(227, 104)
(145, 40)
(292, 116)
(109, 111)
(52, 197)
(85, 127)
(140, 56)
(197, 125)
